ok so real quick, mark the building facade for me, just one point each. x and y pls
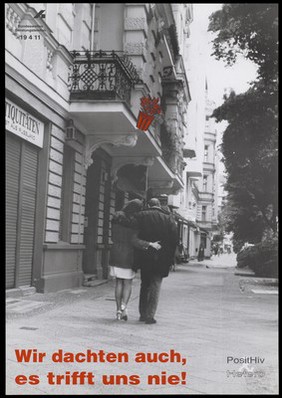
(74, 79)
(207, 185)
(197, 204)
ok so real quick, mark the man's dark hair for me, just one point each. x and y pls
(154, 202)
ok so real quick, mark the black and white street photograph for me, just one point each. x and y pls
(141, 185)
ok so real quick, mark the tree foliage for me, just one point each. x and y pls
(250, 29)
(250, 141)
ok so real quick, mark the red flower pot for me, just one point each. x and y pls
(144, 121)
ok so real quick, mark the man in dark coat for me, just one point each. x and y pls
(154, 225)
(201, 252)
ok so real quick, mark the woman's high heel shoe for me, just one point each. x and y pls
(124, 315)
(119, 315)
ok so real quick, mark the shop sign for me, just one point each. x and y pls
(23, 124)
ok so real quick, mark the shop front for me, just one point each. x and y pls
(24, 142)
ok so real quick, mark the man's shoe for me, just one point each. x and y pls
(142, 319)
(150, 321)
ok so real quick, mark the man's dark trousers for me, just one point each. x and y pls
(149, 294)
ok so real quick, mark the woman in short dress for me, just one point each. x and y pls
(121, 256)
(124, 232)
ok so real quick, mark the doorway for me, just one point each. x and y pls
(97, 215)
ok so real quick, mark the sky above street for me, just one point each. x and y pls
(219, 76)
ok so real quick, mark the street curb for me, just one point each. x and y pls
(246, 273)
(219, 266)
(20, 292)
(257, 280)
(94, 283)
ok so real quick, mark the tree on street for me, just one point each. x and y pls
(250, 141)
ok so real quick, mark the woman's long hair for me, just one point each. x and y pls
(133, 206)
(125, 216)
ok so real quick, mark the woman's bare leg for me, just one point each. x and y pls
(127, 289)
(118, 293)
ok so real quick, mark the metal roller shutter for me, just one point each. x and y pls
(21, 181)
(13, 149)
(28, 201)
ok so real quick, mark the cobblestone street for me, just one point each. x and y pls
(203, 314)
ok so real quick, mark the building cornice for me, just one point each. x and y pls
(28, 79)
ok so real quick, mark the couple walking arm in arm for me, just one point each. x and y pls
(144, 240)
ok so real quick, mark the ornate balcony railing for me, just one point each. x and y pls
(102, 75)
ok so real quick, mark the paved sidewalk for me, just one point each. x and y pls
(203, 314)
(222, 261)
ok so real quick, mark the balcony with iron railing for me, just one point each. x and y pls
(101, 75)
(100, 85)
